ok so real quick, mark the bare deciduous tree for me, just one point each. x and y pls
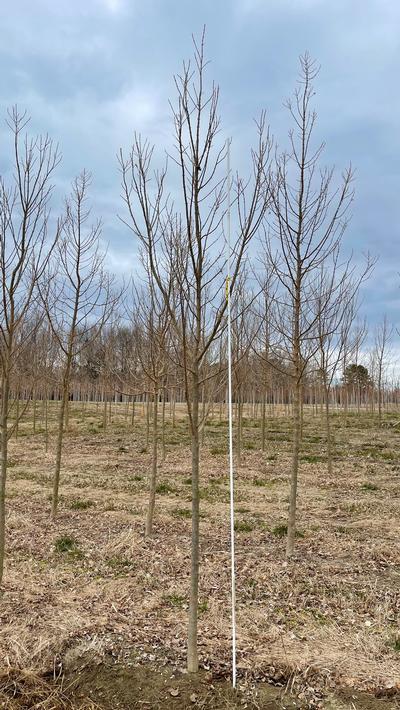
(383, 335)
(77, 297)
(151, 323)
(24, 252)
(335, 302)
(190, 248)
(309, 217)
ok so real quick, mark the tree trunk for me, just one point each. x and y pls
(147, 420)
(5, 393)
(173, 409)
(380, 395)
(295, 469)
(60, 435)
(105, 412)
(46, 421)
(192, 653)
(203, 412)
(66, 413)
(263, 422)
(34, 410)
(163, 451)
(328, 434)
(301, 410)
(239, 428)
(296, 409)
(17, 416)
(153, 476)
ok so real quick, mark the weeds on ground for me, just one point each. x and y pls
(82, 504)
(65, 543)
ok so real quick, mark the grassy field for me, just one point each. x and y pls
(89, 598)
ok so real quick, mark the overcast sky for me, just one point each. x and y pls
(91, 72)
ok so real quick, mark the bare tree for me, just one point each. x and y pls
(264, 343)
(335, 299)
(357, 384)
(383, 335)
(151, 322)
(191, 249)
(308, 220)
(77, 297)
(24, 252)
(244, 330)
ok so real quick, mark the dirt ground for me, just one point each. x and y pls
(86, 599)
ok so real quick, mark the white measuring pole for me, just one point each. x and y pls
(232, 513)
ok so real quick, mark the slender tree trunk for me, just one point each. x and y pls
(17, 416)
(147, 420)
(296, 408)
(263, 422)
(192, 653)
(295, 469)
(163, 451)
(104, 412)
(173, 409)
(203, 410)
(66, 413)
(43, 408)
(239, 428)
(5, 394)
(60, 436)
(46, 421)
(301, 410)
(346, 404)
(34, 410)
(328, 432)
(380, 395)
(153, 476)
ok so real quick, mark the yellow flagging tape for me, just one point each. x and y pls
(227, 285)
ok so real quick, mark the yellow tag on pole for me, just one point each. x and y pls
(227, 284)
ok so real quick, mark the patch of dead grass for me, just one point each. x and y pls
(333, 610)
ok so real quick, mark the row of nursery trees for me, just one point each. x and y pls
(68, 330)
(115, 370)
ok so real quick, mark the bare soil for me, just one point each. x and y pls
(119, 686)
(89, 600)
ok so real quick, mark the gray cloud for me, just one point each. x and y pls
(91, 73)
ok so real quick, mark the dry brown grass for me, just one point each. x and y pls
(330, 616)
(21, 688)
